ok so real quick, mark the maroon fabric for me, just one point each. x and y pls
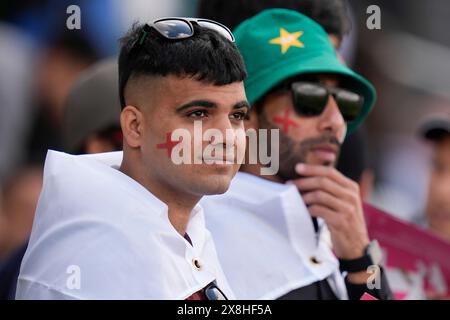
(186, 236)
(199, 295)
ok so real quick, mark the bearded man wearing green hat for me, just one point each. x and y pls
(298, 234)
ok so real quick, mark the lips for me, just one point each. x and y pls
(227, 160)
(326, 153)
(331, 148)
(217, 162)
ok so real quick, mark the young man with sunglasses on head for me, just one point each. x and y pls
(271, 231)
(128, 226)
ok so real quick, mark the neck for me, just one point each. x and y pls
(180, 204)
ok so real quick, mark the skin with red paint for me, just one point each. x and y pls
(310, 149)
(156, 108)
(168, 145)
(285, 122)
(278, 107)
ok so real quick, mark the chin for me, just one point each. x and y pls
(212, 192)
(215, 184)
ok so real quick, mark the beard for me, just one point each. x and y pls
(293, 152)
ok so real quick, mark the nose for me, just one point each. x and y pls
(227, 132)
(331, 119)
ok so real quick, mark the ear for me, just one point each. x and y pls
(251, 121)
(132, 124)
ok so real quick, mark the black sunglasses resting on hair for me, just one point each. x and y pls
(182, 28)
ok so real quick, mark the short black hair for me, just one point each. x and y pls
(330, 14)
(207, 56)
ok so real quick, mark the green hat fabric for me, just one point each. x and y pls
(278, 44)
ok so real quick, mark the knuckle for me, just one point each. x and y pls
(351, 212)
(352, 196)
(322, 182)
(355, 198)
(320, 196)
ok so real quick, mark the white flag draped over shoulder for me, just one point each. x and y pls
(266, 241)
(98, 234)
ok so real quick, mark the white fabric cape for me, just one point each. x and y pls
(98, 234)
(265, 240)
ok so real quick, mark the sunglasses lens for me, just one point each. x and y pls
(174, 29)
(350, 104)
(309, 99)
(224, 31)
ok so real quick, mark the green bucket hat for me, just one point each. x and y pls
(278, 44)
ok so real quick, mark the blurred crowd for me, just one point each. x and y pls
(400, 158)
(41, 59)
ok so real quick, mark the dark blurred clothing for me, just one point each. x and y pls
(321, 290)
(9, 271)
(44, 135)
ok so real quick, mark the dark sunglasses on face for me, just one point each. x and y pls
(182, 28)
(311, 98)
(212, 292)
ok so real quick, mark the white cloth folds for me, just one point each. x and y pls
(98, 234)
(266, 241)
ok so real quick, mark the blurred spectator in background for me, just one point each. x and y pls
(20, 196)
(407, 59)
(437, 131)
(16, 65)
(60, 65)
(53, 60)
(91, 123)
(91, 114)
(102, 21)
(58, 55)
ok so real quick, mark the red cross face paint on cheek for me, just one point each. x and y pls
(169, 144)
(285, 121)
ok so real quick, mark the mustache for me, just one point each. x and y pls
(292, 153)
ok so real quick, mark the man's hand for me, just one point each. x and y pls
(336, 199)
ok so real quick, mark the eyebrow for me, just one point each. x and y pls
(197, 103)
(242, 104)
(211, 105)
